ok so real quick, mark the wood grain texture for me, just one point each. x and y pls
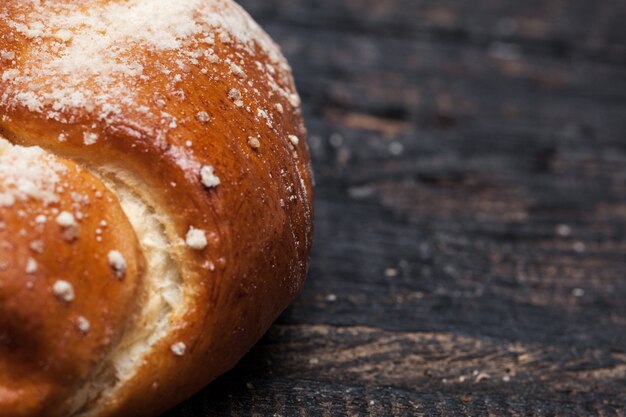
(470, 255)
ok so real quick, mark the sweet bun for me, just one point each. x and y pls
(155, 200)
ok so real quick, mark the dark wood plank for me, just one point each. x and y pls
(470, 254)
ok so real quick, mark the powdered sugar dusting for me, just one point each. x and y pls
(27, 173)
(85, 54)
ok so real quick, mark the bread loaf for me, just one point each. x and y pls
(155, 200)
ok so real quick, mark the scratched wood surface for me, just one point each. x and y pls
(470, 255)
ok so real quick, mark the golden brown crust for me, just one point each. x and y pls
(232, 106)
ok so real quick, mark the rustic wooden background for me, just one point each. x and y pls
(470, 255)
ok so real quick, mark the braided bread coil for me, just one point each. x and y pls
(155, 200)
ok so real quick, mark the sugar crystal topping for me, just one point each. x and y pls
(28, 173)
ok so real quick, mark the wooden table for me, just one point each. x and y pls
(470, 255)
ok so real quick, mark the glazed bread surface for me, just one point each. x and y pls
(155, 200)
